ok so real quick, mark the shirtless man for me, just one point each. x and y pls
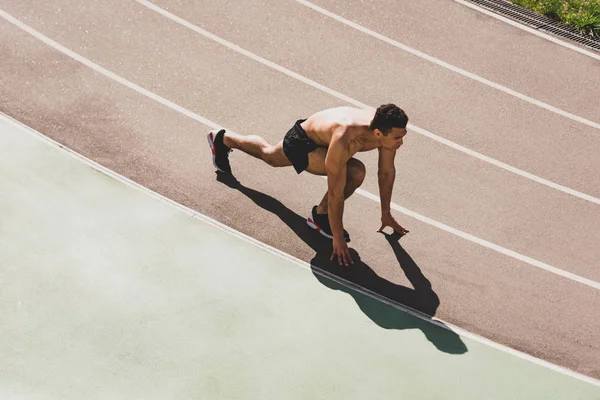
(324, 144)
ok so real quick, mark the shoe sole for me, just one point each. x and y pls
(317, 228)
(211, 142)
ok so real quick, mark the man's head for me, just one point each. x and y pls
(389, 125)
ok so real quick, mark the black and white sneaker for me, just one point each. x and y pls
(320, 223)
(220, 152)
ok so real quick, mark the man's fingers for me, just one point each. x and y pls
(343, 256)
(400, 229)
(337, 254)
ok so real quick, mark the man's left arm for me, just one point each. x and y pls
(386, 175)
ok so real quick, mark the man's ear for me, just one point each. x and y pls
(378, 133)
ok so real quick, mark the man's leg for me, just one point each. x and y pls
(355, 175)
(259, 148)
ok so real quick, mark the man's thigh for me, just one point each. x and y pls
(316, 161)
(277, 157)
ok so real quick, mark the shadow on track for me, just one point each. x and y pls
(422, 298)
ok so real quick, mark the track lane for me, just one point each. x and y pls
(483, 45)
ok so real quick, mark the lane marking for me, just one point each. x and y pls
(449, 66)
(484, 243)
(307, 266)
(104, 71)
(357, 103)
(207, 122)
(528, 29)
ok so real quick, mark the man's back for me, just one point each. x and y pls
(321, 126)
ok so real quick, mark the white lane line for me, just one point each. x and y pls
(528, 29)
(357, 103)
(214, 125)
(104, 71)
(449, 66)
(436, 321)
(485, 243)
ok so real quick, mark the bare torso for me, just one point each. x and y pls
(321, 126)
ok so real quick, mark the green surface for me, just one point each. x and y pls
(583, 15)
(108, 292)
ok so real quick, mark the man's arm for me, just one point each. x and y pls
(335, 166)
(386, 175)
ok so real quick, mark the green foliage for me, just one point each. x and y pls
(583, 15)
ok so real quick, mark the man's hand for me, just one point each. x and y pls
(388, 220)
(340, 249)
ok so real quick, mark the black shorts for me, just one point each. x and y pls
(297, 145)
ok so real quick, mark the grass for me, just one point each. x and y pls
(583, 15)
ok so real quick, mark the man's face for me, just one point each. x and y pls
(394, 138)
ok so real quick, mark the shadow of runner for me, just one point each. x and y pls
(422, 298)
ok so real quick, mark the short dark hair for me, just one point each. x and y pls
(388, 116)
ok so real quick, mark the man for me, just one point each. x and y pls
(324, 144)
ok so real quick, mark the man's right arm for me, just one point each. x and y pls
(335, 166)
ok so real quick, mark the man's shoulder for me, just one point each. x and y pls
(347, 134)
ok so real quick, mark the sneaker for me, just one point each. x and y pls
(320, 223)
(220, 152)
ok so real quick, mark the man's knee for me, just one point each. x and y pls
(275, 157)
(356, 171)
